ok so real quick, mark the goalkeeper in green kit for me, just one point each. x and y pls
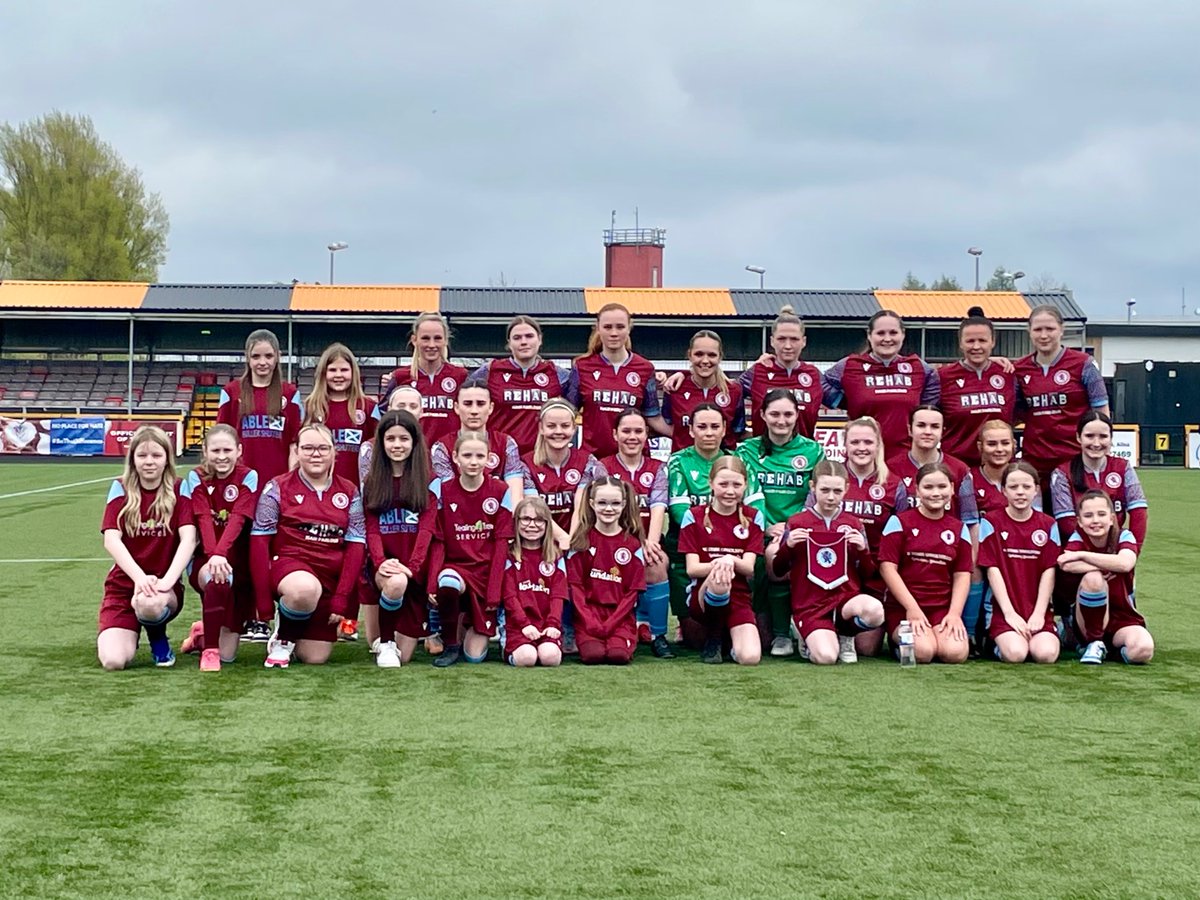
(779, 463)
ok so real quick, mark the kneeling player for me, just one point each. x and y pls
(307, 547)
(150, 534)
(826, 551)
(1105, 613)
(535, 588)
(721, 542)
(1018, 549)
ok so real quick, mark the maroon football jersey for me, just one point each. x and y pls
(1122, 610)
(678, 406)
(600, 390)
(437, 392)
(1022, 551)
(809, 599)
(503, 459)
(1118, 479)
(534, 592)
(970, 398)
(518, 394)
(223, 509)
(962, 500)
(864, 386)
(266, 435)
(350, 429)
(557, 486)
(927, 552)
(803, 380)
(649, 482)
(154, 544)
(711, 535)
(401, 534)
(310, 526)
(604, 582)
(472, 533)
(1052, 400)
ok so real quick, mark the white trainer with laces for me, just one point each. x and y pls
(1093, 654)
(846, 651)
(388, 656)
(279, 653)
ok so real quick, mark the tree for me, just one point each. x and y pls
(1001, 280)
(912, 283)
(71, 208)
(945, 283)
(1045, 283)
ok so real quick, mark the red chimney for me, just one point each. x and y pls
(633, 257)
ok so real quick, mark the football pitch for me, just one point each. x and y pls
(663, 779)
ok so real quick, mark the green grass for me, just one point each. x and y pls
(662, 779)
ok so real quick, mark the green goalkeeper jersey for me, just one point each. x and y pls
(687, 481)
(779, 478)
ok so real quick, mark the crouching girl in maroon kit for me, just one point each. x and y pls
(1105, 612)
(224, 493)
(466, 567)
(606, 570)
(721, 542)
(535, 588)
(400, 512)
(306, 548)
(150, 534)
(826, 551)
(1018, 549)
(925, 558)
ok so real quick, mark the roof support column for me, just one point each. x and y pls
(129, 385)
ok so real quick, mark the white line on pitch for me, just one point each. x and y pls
(57, 487)
(59, 559)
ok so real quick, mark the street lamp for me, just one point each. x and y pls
(1013, 276)
(976, 252)
(1130, 312)
(334, 248)
(760, 272)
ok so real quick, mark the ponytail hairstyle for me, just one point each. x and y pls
(1078, 473)
(1020, 466)
(719, 377)
(474, 384)
(163, 506)
(420, 320)
(323, 430)
(535, 506)
(594, 343)
(735, 465)
(766, 445)
(522, 320)
(464, 436)
(1113, 540)
(413, 491)
(205, 467)
(621, 417)
(541, 454)
(275, 404)
(397, 388)
(975, 316)
(1046, 309)
(995, 425)
(881, 469)
(828, 467)
(630, 521)
(316, 404)
(787, 316)
(931, 468)
(885, 314)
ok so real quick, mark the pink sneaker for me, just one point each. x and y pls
(210, 661)
(195, 639)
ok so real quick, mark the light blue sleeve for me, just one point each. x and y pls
(893, 525)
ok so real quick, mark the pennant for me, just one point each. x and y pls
(828, 561)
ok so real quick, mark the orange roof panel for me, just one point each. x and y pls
(72, 294)
(663, 301)
(954, 304)
(356, 298)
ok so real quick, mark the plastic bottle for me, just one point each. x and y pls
(907, 648)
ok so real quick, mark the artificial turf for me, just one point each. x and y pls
(666, 778)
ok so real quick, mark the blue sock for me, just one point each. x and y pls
(435, 621)
(658, 606)
(475, 659)
(861, 625)
(971, 609)
(711, 599)
(987, 608)
(161, 646)
(288, 613)
(389, 604)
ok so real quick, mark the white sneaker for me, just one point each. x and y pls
(374, 648)
(1093, 654)
(279, 653)
(782, 646)
(846, 651)
(388, 657)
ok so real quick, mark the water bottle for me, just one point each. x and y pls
(907, 648)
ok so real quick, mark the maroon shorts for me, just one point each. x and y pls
(738, 611)
(514, 642)
(894, 614)
(615, 649)
(116, 609)
(318, 627)
(998, 626)
(828, 621)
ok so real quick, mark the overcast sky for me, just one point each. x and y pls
(837, 144)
